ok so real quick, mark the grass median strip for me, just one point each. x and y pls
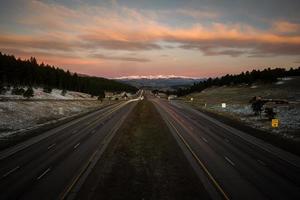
(143, 162)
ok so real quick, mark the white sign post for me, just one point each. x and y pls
(60, 111)
(223, 105)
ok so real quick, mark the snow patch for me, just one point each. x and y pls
(279, 82)
(55, 94)
(22, 115)
(156, 77)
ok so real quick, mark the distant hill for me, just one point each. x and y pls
(159, 82)
(265, 76)
(17, 72)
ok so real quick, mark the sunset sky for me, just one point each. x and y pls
(109, 38)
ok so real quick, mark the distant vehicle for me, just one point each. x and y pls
(170, 97)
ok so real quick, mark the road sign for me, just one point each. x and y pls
(275, 123)
(223, 105)
(60, 111)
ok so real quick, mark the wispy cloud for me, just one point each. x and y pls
(197, 14)
(100, 35)
(130, 30)
(123, 58)
(286, 27)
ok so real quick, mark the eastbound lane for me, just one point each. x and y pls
(43, 168)
(244, 168)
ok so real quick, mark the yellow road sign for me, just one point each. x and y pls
(275, 123)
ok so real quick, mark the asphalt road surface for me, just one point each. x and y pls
(233, 165)
(47, 166)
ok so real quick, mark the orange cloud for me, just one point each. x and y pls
(87, 30)
(286, 27)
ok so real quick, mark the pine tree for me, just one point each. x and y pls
(270, 113)
(28, 93)
(17, 91)
(2, 89)
(64, 92)
(47, 89)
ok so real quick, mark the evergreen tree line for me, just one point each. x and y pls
(265, 76)
(18, 73)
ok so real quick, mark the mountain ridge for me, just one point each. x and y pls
(167, 82)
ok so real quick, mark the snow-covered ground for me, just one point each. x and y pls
(20, 115)
(288, 115)
(17, 115)
(55, 94)
(238, 106)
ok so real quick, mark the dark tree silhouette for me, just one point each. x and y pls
(28, 93)
(17, 91)
(47, 89)
(270, 113)
(257, 107)
(17, 72)
(265, 76)
(64, 92)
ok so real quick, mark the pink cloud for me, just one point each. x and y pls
(286, 27)
(95, 38)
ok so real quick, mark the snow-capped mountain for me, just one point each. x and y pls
(156, 77)
(159, 81)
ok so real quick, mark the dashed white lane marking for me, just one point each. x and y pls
(93, 131)
(205, 140)
(76, 145)
(10, 171)
(261, 162)
(232, 163)
(52, 145)
(43, 174)
(74, 131)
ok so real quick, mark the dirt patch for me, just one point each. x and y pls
(143, 162)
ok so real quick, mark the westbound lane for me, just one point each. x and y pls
(43, 168)
(240, 167)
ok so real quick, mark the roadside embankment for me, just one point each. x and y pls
(18, 116)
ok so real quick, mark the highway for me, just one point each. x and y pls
(50, 165)
(230, 163)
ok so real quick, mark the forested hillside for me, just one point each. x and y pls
(265, 76)
(17, 72)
